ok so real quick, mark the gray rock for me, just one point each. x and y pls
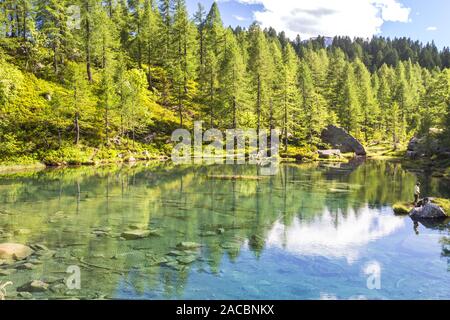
(327, 154)
(186, 259)
(25, 295)
(428, 145)
(14, 252)
(135, 234)
(428, 211)
(7, 272)
(342, 140)
(39, 247)
(34, 286)
(188, 245)
(58, 288)
(412, 155)
(26, 266)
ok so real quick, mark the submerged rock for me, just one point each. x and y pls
(186, 259)
(208, 234)
(188, 245)
(34, 286)
(7, 272)
(26, 266)
(14, 252)
(428, 211)
(25, 295)
(39, 247)
(327, 154)
(135, 234)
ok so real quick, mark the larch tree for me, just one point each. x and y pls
(290, 92)
(367, 100)
(184, 70)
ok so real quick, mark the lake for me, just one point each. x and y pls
(313, 231)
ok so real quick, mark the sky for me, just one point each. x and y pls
(424, 20)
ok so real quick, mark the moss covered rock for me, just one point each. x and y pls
(443, 203)
(402, 208)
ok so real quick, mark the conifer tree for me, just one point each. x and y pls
(233, 82)
(259, 70)
(367, 101)
(313, 107)
(290, 92)
(184, 71)
(348, 106)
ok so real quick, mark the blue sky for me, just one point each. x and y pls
(423, 20)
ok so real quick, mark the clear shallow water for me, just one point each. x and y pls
(307, 233)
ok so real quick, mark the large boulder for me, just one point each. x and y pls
(427, 145)
(11, 252)
(428, 211)
(342, 140)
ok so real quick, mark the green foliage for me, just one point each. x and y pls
(402, 208)
(443, 203)
(71, 155)
(307, 153)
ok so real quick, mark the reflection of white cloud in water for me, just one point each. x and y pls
(334, 237)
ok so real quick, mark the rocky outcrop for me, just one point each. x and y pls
(428, 211)
(342, 140)
(13, 252)
(426, 146)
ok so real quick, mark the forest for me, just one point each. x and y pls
(89, 80)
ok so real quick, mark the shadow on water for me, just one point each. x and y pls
(196, 222)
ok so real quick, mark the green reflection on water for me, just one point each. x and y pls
(81, 213)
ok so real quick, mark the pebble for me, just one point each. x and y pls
(26, 266)
(7, 272)
(25, 295)
(135, 234)
(188, 245)
(34, 286)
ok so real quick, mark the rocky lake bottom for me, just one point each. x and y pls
(159, 231)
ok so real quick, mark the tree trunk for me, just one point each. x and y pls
(77, 129)
(149, 72)
(211, 108)
(234, 113)
(107, 124)
(88, 44)
(285, 123)
(258, 106)
(55, 60)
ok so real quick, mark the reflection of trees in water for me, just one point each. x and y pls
(70, 205)
(444, 227)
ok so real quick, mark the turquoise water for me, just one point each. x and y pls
(309, 232)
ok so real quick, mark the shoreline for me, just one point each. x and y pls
(437, 169)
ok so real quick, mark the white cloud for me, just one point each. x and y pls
(345, 236)
(354, 18)
(432, 29)
(239, 18)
